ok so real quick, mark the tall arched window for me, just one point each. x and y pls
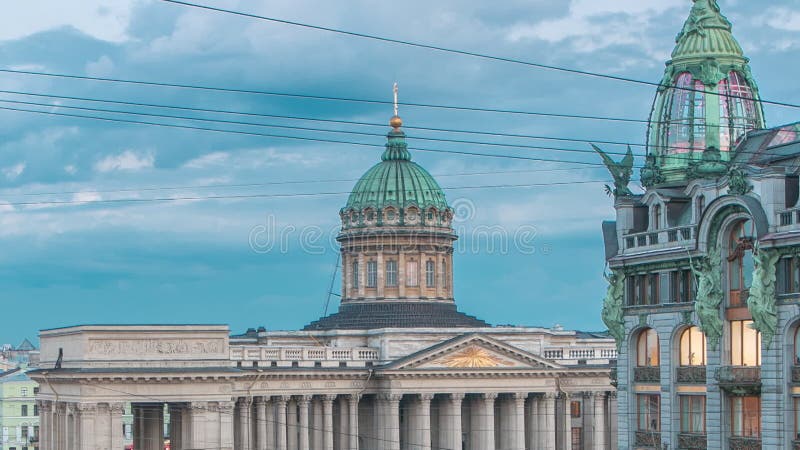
(693, 347)
(740, 263)
(430, 274)
(647, 349)
(444, 274)
(391, 273)
(372, 274)
(355, 274)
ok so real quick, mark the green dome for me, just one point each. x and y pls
(396, 182)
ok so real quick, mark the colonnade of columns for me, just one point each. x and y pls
(78, 426)
(386, 421)
(394, 421)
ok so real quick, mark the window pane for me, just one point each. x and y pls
(652, 348)
(664, 289)
(391, 273)
(412, 273)
(430, 274)
(355, 274)
(372, 274)
(736, 343)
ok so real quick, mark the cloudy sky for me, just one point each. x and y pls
(268, 260)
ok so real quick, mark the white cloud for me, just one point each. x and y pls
(125, 161)
(781, 19)
(100, 19)
(85, 197)
(596, 24)
(100, 68)
(208, 160)
(70, 169)
(12, 172)
(253, 159)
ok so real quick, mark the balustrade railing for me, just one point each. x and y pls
(257, 353)
(692, 441)
(691, 375)
(739, 380)
(648, 439)
(744, 443)
(647, 374)
(654, 238)
(580, 353)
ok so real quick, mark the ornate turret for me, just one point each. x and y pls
(707, 101)
(397, 248)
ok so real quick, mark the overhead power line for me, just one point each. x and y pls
(299, 128)
(315, 119)
(299, 138)
(273, 195)
(320, 97)
(466, 52)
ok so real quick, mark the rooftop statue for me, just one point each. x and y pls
(612, 306)
(704, 14)
(761, 301)
(709, 296)
(620, 171)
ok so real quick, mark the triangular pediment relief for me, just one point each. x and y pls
(473, 352)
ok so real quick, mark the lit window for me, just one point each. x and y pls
(693, 347)
(355, 274)
(648, 412)
(430, 274)
(745, 344)
(693, 413)
(412, 273)
(647, 349)
(746, 416)
(391, 273)
(372, 274)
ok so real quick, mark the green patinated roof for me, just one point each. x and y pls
(706, 34)
(396, 181)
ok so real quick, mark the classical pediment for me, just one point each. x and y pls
(473, 351)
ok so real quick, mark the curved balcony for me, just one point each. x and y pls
(691, 375)
(739, 380)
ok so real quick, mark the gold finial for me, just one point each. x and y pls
(396, 122)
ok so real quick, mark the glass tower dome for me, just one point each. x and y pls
(707, 101)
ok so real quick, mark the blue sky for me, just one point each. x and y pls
(194, 262)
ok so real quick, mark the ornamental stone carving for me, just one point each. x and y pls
(709, 296)
(155, 346)
(612, 314)
(762, 302)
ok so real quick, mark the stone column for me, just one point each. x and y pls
(532, 423)
(401, 274)
(260, 424)
(138, 426)
(153, 425)
(302, 404)
(280, 404)
(291, 424)
(87, 413)
(225, 418)
(450, 423)
(352, 409)
(567, 424)
(599, 421)
(243, 408)
(391, 423)
(196, 426)
(317, 426)
(362, 275)
(327, 421)
(116, 411)
(381, 274)
(44, 422)
(70, 426)
(422, 439)
(518, 421)
(269, 422)
(342, 433)
(175, 428)
(487, 421)
(547, 411)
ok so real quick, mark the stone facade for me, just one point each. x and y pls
(705, 281)
(390, 389)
